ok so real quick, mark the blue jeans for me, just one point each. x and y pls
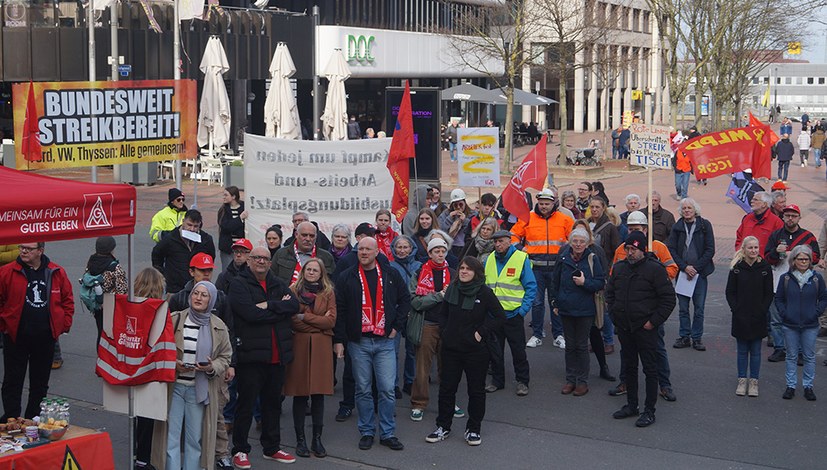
(695, 328)
(783, 170)
(374, 355)
(608, 330)
(186, 414)
(682, 184)
(749, 352)
(409, 370)
(817, 156)
(538, 309)
(775, 329)
(452, 151)
(803, 340)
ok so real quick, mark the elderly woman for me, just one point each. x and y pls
(203, 347)
(569, 200)
(801, 298)
(482, 243)
(310, 375)
(692, 245)
(577, 276)
(340, 245)
(404, 261)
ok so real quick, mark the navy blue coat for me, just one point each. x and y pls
(703, 242)
(800, 307)
(569, 298)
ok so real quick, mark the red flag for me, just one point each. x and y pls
(727, 152)
(531, 173)
(402, 149)
(762, 160)
(30, 144)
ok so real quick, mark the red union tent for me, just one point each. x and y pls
(37, 208)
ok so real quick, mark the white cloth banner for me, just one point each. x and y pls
(336, 182)
(478, 156)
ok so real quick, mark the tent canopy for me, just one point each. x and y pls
(469, 92)
(39, 208)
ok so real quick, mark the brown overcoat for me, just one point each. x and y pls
(311, 371)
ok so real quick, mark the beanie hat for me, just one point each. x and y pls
(174, 193)
(105, 245)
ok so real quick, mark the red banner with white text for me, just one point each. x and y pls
(727, 152)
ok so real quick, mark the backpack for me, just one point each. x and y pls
(91, 299)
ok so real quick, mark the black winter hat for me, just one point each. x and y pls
(105, 245)
(174, 193)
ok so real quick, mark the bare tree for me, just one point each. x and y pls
(496, 34)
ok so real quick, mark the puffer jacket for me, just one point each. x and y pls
(569, 298)
(639, 292)
(256, 329)
(800, 306)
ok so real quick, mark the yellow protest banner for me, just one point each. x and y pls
(106, 123)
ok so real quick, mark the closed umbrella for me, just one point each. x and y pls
(214, 117)
(281, 115)
(334, 118)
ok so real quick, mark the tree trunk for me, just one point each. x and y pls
(509, 127)
(564, 120)
(699, 96)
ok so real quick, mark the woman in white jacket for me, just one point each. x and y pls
(804, 145)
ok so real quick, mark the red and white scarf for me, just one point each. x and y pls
(426, 277)
(373, 318)
(298, 267)
(384, 239)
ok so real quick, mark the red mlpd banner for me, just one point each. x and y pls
(41, 208)
(729, 151)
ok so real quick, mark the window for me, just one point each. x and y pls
(788, 80)
(799, 80)
(755, 81)
(810, 80)
(821, 80)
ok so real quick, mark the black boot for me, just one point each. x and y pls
(316, 446)
(301, 444)
(605, 374)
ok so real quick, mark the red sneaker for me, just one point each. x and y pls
(241, 461)
(281, 457)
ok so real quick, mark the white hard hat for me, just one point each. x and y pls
(546, 193)
(457, 195)
(636, 218)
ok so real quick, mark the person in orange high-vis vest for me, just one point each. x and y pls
(541, 237)
(637, 223)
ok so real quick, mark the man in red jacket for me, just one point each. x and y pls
(760, 223)
(36, 307)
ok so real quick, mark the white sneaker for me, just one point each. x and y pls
(803, 165)
(533, 342)
(560, 342)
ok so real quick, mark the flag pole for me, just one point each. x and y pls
(649, 218)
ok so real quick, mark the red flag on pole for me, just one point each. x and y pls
(762, 160)
(30, 144)
(402, 150)
(531, 173)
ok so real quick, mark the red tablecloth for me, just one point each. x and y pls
(80, 449)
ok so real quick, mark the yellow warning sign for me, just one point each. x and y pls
(637, 95)
(794, 48)
(69, 461)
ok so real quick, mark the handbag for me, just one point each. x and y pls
(599, 300)
(413, 329)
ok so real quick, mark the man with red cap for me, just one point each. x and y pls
(778, 245)
(241, 251)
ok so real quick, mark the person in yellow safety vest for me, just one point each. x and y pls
(170, 216)
(508, 273)
(542, 236)
(637, 222)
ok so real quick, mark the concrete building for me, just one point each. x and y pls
(794, 86)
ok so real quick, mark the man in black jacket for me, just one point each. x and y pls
(372, 302)
(640, 298)
(171, 256)
(263, 307)
(241, 251)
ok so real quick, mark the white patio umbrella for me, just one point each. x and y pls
(214, 117)
(334, 118)
(281, 115)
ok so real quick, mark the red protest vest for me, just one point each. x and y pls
(128, 358)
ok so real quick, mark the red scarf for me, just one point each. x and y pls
(298, 267)
(426, 277)
(373, 319)
(384, 239)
